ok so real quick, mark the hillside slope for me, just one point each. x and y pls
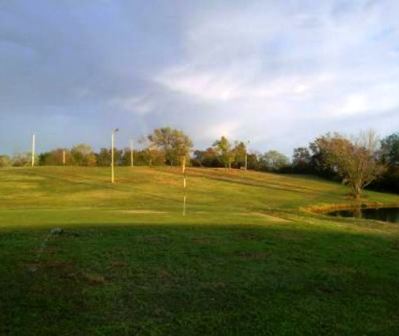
(157, 194)
(245, 260)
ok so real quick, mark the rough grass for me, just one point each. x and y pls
(244, 261)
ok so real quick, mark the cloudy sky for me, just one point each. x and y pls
(277, 73)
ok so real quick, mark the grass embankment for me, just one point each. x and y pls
(244, 261)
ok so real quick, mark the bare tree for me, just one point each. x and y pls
(354, 159)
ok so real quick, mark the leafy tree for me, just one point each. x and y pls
(319, 157)
(389, 156)
(240, 151)
(301, 160)
(225, 151)
(55, 157)
(5, 161)
(125, 157)
(174, 144)
(83, 155)
(390, 150)
(150, 154)
(206, 158)
(354, 160)
(253, 161)
(274, 160)
(153, 157)
(22, 160)
(104, 157)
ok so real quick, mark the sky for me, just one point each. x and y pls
(275, 73)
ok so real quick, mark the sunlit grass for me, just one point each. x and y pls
(246, 260)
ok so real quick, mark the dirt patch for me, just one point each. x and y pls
(94, 279)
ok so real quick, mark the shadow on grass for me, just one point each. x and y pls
(198, 280)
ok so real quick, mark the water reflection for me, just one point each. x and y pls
(382, 214)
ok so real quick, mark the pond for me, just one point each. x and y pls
(381, 214)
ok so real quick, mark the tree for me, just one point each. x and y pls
(182, 146)
(354, 160)
(21, 160)
(240, 151)
(318, 160)
(125, 158)
(274, 161)
(174, 144)
(150, 154)
(83, 155)
(103, 157)
(55, 157)
(224, 149)
(206, 158)
(5, 161)
(253, 160)
(389, 155)
(301, 160)
(390, 150)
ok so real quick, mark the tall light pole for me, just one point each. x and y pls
(33, 149)
(112, 154)
(131, 153)
(246, 155)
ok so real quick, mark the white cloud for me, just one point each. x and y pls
(134, 104)
(275, 72)
(276, 69)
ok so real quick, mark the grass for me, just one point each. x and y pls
(246, 260)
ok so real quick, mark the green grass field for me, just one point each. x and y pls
(247, 259)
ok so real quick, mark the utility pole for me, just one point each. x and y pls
(112, 154)
(246, 155)
(131, 153)
(33, 149)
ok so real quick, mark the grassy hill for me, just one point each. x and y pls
(245, 260)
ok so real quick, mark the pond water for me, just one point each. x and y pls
(382, 214)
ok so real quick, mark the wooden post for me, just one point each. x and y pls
(112, 157)
(184, 205)
(246, 155)
(183, 167)
(131, 154)
(63, 157)
(184, 196)
(33, 149)
(183, 164)
(112, 154)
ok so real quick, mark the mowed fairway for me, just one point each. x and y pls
(245, 260)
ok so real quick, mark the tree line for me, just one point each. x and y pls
(164, 146)
(373, 162)
(358, 161)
